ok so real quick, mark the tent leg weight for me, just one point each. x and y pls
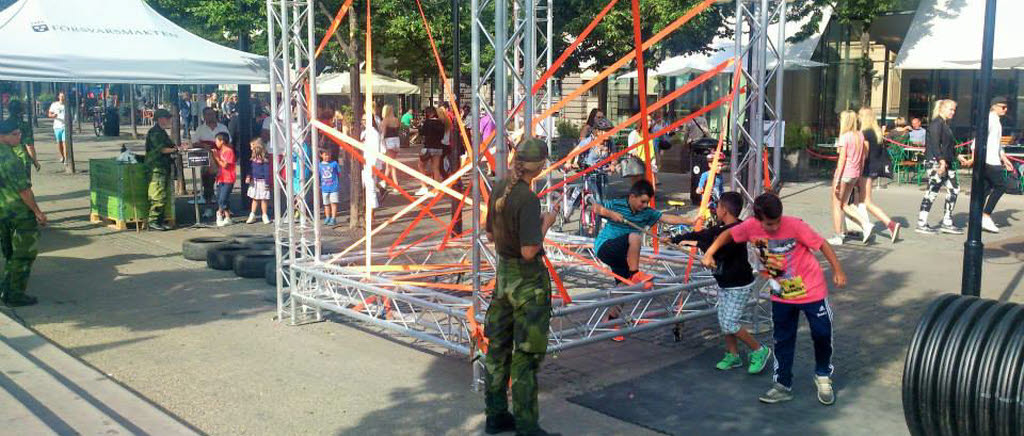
(964, 371)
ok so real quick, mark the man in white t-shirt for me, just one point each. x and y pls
(57, 113)
(206, 136)
(917, 133)
(995, 162)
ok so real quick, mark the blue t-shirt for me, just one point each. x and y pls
(329, 175)
(611, 230)
(716, 190)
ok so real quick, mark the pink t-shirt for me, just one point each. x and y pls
(853, 142)
(227, 173)
(787, 256)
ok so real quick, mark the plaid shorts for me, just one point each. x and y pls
(731, 302)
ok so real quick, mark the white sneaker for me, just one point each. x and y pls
(826, 394)
(987, 224)
(220, 222)
(421, 192)
(252, 218)
(835, 240)
(266, 219)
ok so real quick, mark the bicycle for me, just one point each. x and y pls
(584, 195)
(97, 120)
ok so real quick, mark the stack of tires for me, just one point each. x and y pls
(249, 256)
(964, 372)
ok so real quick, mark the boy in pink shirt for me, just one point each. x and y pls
(785, 246)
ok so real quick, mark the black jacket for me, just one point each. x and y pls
(940, 141)
(733, 269)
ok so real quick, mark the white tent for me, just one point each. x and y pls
(338, 84)
(946, 35)
(797, 55)
(113, 41)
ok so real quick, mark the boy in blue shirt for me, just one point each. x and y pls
(329, 176)
(618, 244)
(716, 189)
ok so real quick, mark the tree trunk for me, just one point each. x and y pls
(867, 66)
(355, 191)
(602, 97)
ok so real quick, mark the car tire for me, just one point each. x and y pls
(248, 238)
(196, 248)
(223, 257)
(253, 264)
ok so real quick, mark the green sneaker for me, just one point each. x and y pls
(758, 359)
(730, 361)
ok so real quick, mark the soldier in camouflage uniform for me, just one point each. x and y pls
(520, 311)
(26, 152)
(159, 148)
(20, 219)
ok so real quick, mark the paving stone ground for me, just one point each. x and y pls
(204, 346)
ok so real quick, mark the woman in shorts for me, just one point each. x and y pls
(849, 167)
(392, 142)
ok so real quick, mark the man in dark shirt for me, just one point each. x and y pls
(735, 279)
(519, 315)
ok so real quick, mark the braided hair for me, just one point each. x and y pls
(519, 168)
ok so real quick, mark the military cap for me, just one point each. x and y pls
(8, 126)
(532, 150)
(162, 113)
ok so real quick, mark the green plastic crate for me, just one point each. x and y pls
(118, 192)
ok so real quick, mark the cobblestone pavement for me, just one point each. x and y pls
(203, 344)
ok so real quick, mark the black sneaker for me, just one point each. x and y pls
(19, 300)
(157, 226)
(500, 424)
(925, 228)
(951, 229)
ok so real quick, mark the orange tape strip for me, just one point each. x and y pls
(562, 293)
(334, 27)
(696, 9)
(618, 154)
(668, 98)
(583, 259)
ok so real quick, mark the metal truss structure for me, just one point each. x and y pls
(437, 289)
(293, 145)
(756, 119)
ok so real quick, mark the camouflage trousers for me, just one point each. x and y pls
(516, 327)
(159, 194)
(19, 238)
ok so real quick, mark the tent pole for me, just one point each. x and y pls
(179, 167)
(131, 102)
(69, 164)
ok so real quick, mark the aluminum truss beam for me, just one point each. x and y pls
(291, 50)
(757, 114)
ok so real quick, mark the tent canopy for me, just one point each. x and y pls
(113, 41)
(797, 55)
(338, 84)
(946, 35)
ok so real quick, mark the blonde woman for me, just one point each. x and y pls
(874, 167)
(848, 172)
(940, 150)
(390, 124)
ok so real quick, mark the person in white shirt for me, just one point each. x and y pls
(206, 137)
(995, 161)
(57, 113)
(917, 133)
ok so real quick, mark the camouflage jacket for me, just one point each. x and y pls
(157, 139)
(13, 180)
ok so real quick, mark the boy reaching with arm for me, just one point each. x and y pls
(735, 279)
(785, 246)
(618, 244)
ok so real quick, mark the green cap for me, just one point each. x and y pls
(162, 113)
(532, 150)
(7, 126)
